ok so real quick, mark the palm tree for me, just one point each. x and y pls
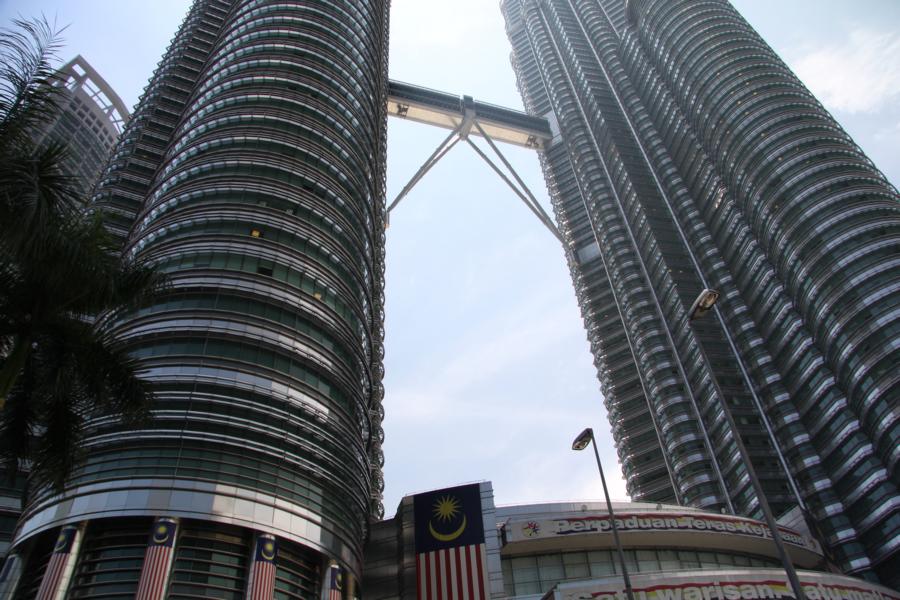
(62, 281)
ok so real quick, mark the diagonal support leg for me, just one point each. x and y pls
(509, 167)
(527, 199)
(439, 152)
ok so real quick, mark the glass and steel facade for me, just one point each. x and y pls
(567, 550)
(91, 117)
(252, 173)
(688, 156)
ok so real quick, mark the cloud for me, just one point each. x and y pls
(501, 402)
(859, 74)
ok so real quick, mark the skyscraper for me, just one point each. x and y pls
(253, 173)
(688, 156)
(91, 117)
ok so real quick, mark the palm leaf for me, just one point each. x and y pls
(17, 420)
(27, 100)
(61, 414)
(63, 281)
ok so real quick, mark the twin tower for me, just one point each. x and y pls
(685, 156)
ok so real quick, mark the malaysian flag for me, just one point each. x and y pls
(262, 579)
(450, 552)
(158, 560)
(335, 583)
(59, 560)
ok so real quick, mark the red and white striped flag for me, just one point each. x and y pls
(59, 559)
(158, 560)
(453, 574)
(262, 578)
(450, 550)
(335, 583)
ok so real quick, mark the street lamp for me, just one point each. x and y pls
(702, 305)
(584, 438)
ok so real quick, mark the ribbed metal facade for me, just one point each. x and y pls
(689, 156)
(252, 173)
(91, 117)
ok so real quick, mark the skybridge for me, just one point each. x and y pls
(466, 117)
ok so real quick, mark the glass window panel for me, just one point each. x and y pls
(522, 575)
(528, 588)
(668, 560)
(574, 558)
(552, 572)
(688, 559)
(576, 571)
(708, 559)
(647, 561)
(601, 563)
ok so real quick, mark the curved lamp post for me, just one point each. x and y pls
(702, 305)
(581, 442)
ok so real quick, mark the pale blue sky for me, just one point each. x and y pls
(488, 370)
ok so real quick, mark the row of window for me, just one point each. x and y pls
(539, 573)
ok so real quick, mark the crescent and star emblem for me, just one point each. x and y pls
(268, 550)
(161, 534)
(445, 510)
(60, 542)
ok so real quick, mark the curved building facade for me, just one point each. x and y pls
(690, 157)
(567, 551)
(253, 174)
(91, 117)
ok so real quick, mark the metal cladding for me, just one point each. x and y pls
(690, 157)
(253, 174)
(90, 120)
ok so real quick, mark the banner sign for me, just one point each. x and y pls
(450, 549)
(262, 576)
(157, 560)
(518, 531)
(58, 565)
(732, 585)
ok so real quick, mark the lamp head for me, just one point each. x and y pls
(703, 304)
(584, 438)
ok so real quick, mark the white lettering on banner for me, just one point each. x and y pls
(651, 522)
(734, 590)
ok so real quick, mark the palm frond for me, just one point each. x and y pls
(27, 100)
(35, 198)
(61, 413)
(62, 281)
(109, 378)
(17, 420)
(136, 281)
(79, 267)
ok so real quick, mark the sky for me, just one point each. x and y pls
(488, 370)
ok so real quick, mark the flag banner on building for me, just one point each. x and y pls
(59, 560)
(158, 561)
(335, 583)
(450, 551)
(262, 577)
